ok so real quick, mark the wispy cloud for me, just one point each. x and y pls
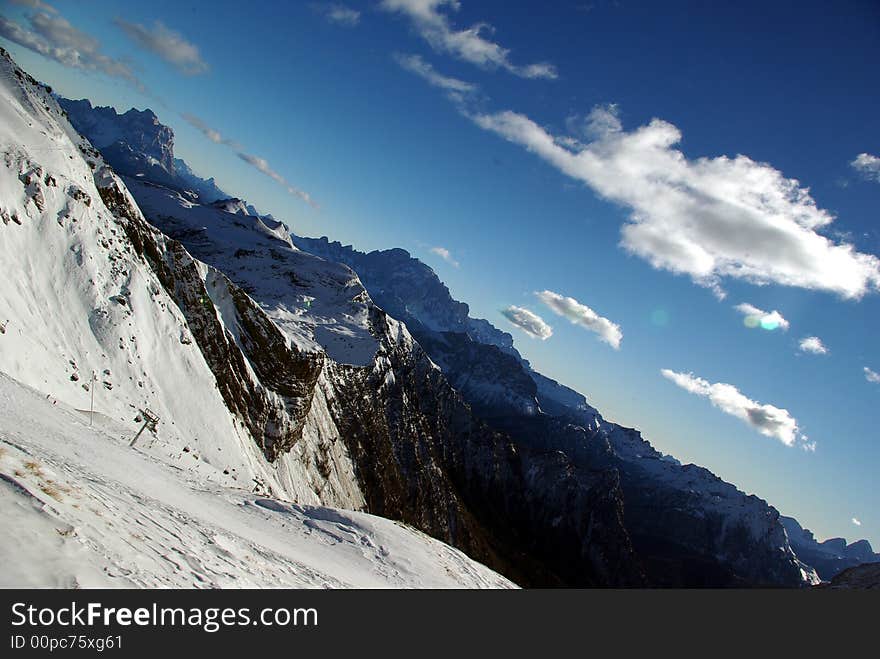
(856, 521)
(444, 254)
(709, 218)
(337, 13)
(469, 44)
(871, 376)
(581, 314)
(768, 320)
(528, 321)
(769, 420)
(261, 164)
(813, 345)
(455, 88)
(867, 165)
(206, 130)
(52, 36)
(171, 46)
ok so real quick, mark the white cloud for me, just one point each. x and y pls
(710, 218)
(36, 4)
(53, 37)
(337, 13)
(263, 166)
(171, 46)
(856, 521)
(444, 254)
(814, 345)
(601, 120)
(529, 322)
(871, 376)
(755, 317)
(769, 420)
(455, 88)
(468, 44)
(867, 165)
(581, 314)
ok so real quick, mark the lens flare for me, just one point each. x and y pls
(660, 317)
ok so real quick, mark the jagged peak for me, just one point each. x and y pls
(232, 205)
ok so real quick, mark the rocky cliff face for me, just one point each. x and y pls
(831, 556)
(408, 290)
(860, 577)
(419, 453)
(688, 526)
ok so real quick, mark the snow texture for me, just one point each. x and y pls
(83, 509)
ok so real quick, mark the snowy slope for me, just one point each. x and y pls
(91, 291)
(113, 335)
(80, 508)
(122, 335)
(320, 306)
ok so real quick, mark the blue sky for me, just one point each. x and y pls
(526, 149)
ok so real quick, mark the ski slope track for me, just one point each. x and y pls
(80, 508)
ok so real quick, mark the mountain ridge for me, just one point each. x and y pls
(380, 429)
(440, 426)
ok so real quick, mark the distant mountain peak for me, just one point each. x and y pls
(135, 143)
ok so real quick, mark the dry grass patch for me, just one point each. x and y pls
(50, 490)
(53, 489)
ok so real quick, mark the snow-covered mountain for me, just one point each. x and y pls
(831, 556)
(97, 306)
(690, 527)
(419, 453)
(356, 380)
(283, 377)
(709, 522)
(135, 144)
(479, 359)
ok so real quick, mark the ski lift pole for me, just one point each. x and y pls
(92, 407)
(150, 421)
